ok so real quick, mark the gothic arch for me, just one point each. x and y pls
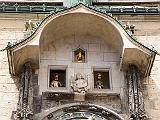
(80, 21)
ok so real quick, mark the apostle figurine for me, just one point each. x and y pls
(99, 83)
(55, 82)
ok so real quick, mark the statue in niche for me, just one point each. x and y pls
(79, 83)
(55, 81)
(79, 55)
(98, 81)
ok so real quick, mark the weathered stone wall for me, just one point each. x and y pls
(152, 84)
(12, 28)
(10, 31)
(147, 31)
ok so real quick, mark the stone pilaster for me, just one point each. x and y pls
(136, 103)
(25, 102)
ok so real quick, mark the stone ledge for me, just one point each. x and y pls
(110, 93)
(56, 96)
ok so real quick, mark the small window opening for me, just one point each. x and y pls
(101, 79)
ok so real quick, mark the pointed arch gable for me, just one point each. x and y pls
(106, 27)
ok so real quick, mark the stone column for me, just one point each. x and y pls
(135, 98)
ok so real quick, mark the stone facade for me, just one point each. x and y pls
(12, 29)
(147, 32)
(9, 85)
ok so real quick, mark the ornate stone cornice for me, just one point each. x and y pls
(47, 8)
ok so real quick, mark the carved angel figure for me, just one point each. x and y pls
(79, 83)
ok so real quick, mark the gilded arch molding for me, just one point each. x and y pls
(82, 110)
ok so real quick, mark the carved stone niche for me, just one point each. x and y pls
(79, 55)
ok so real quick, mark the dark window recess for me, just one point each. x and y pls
(101, 79)
(57, 78)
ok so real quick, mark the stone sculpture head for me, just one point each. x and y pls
(56, 76)
(99, 76)
(79, 76)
